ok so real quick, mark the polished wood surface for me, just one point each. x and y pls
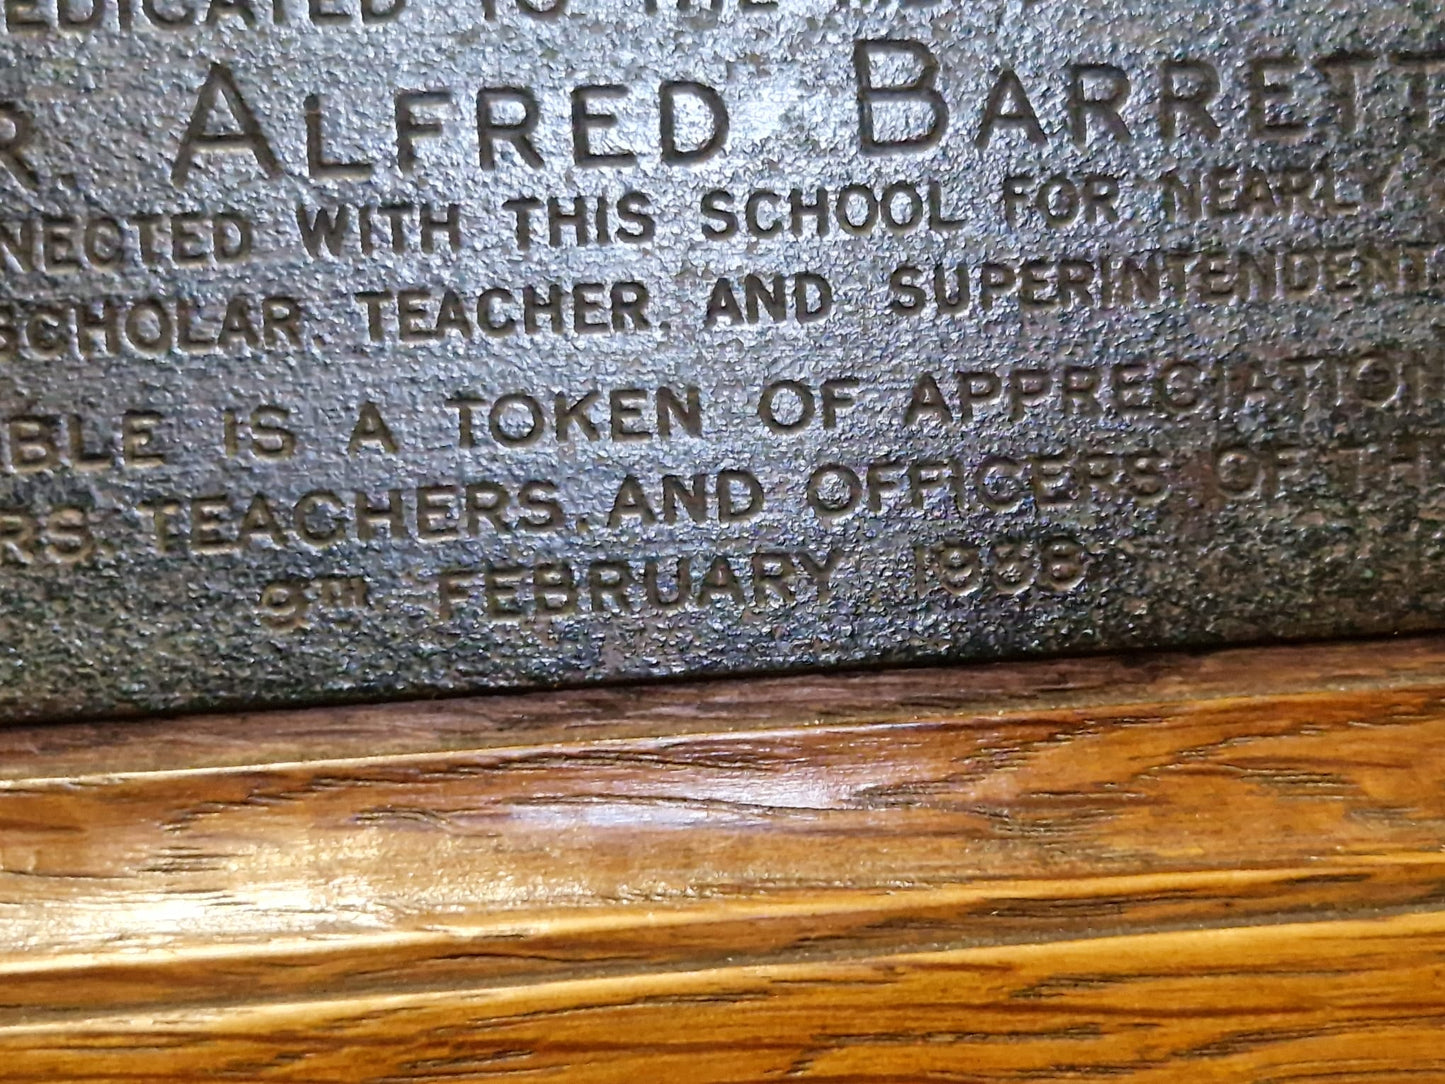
(1225, 866)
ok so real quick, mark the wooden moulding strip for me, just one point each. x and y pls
(990, 872)
(833, 925)
(1356, 1001)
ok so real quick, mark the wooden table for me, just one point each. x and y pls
(1226, 866)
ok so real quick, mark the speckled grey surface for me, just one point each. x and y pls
(1243, 437)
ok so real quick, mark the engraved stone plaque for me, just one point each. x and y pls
(384, 347)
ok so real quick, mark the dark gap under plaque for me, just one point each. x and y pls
(373, 347)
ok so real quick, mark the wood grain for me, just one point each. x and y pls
(1220, 866)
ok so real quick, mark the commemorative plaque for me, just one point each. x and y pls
(383, 347)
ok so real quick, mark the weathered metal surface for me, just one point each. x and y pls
(381, 346)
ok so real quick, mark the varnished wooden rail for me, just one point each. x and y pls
(1226, 866)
